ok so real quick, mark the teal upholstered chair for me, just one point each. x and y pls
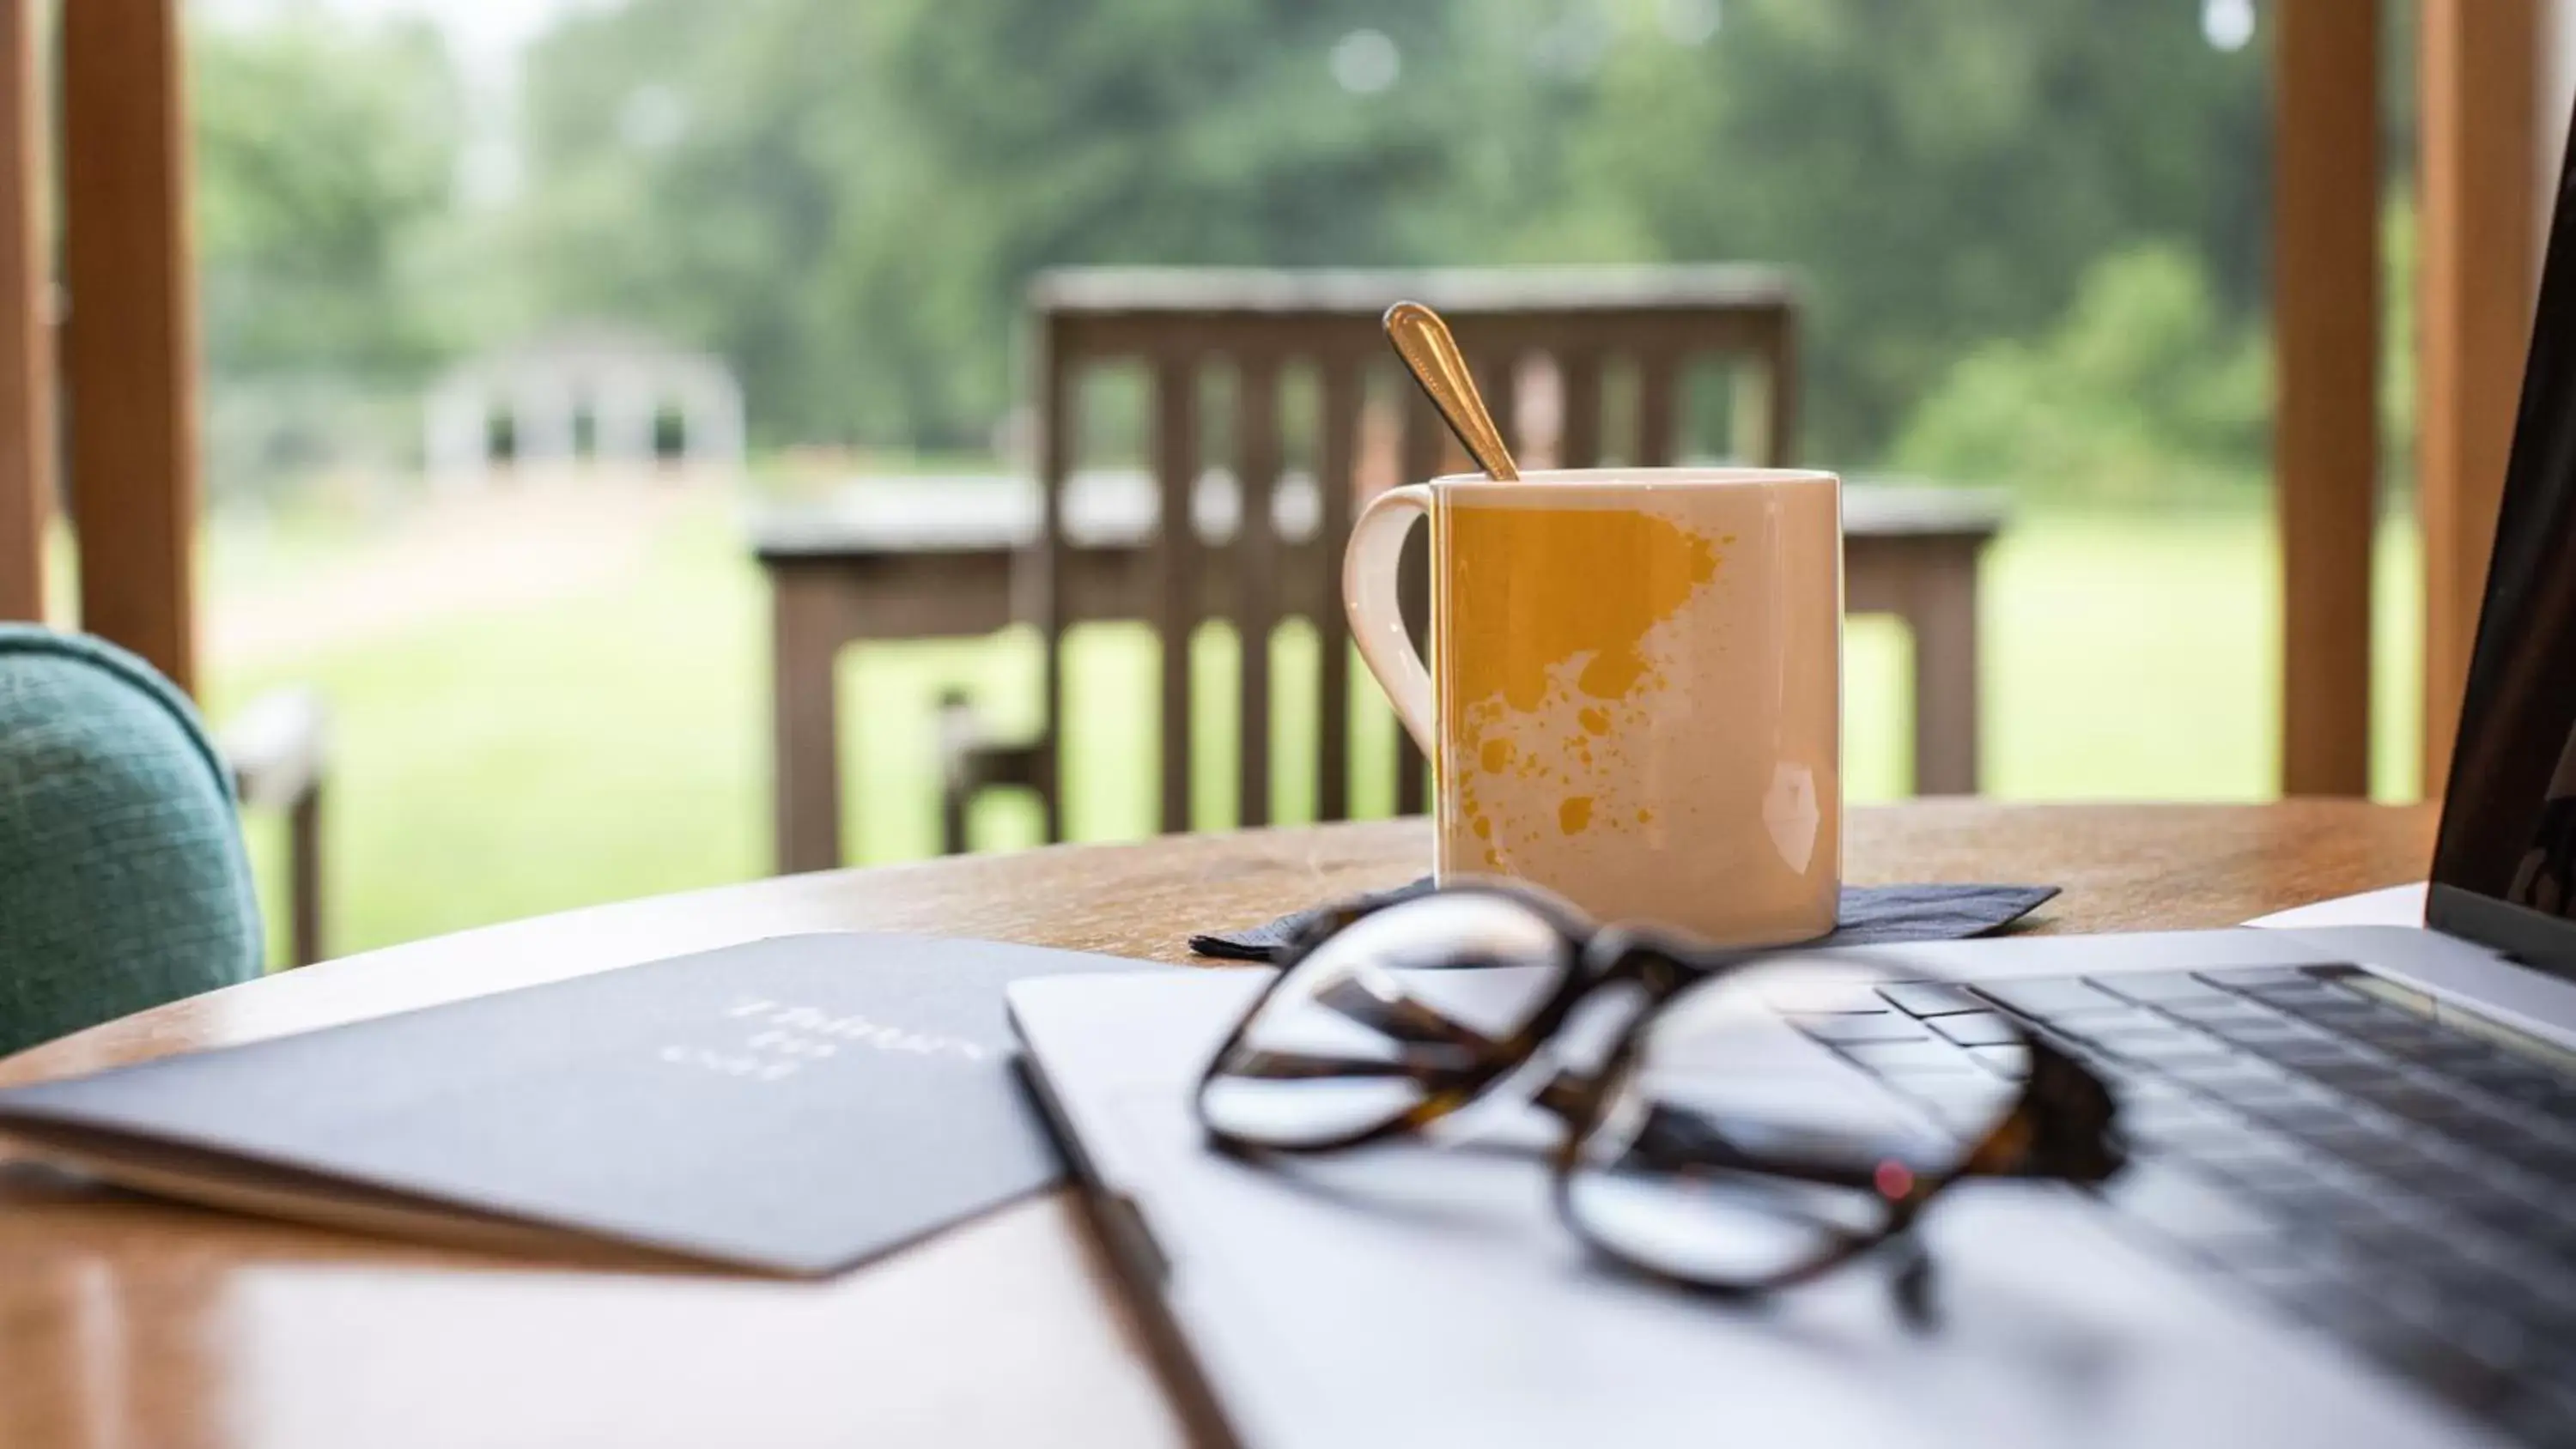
(123, 882)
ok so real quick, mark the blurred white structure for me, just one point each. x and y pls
(622, 382)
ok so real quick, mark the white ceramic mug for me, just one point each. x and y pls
(1635, 690)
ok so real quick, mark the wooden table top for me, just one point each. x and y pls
(130, 1322)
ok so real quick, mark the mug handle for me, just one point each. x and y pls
(1377, 618)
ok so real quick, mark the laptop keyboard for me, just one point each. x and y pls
(2402, 1184)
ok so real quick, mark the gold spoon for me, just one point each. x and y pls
(1432, 356)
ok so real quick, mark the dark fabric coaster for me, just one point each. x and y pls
(1869, 916)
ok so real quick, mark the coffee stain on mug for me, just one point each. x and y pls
(1526, 620)
(1521, 620)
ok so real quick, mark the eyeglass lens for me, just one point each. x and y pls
(1409, 1001)
(1735, 1147)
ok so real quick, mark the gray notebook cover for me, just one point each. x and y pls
(793, 1105)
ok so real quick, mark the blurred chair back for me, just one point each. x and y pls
(1265, 543)
(123, 882)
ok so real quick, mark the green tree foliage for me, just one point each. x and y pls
(847, 200)
(2142, 393)
(326, 156)
(706, 169)
(1940, 175)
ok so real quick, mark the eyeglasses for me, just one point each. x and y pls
(1724, 1141)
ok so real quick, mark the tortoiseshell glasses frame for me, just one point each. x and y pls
(2056, 1123)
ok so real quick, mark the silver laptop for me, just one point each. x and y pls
(2394, 1263)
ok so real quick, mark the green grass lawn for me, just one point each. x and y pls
(614, 744)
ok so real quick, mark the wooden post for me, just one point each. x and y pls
(1345, 391)
(1257, 463)
(1176, 474)
(2325, 450)
(2477, 164)
(26, 323)
(130, 346)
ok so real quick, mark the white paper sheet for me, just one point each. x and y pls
(2395, 906)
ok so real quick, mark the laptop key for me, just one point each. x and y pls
(1884, 1026)
(2175, 1118)
(2379, 1152)
(2426, 1105)
(2186, 1208)
(2520, 1269)
(2313, 1204)
(1929, 998)
(2338, 1009)
(2342, 1015)
(2540, 1409)
(2551, 1159)
(1818, 998)
(1983, 1028)
(2139, 1087)
(2511, 1217)
(2309, 1053)
(2012, 1062)
(1893, 1058)
(2233, 1076)
(2352, 1076)
(2100, 1022)
(2399, 1232)
(2250, 978)
(2280, 1105)
(2049, 998)
(2500, 1139)
(2449, 1056)
(2244, 1158)
(2397, 1033)
(2473, 1365)
(2165, 989)
(2349, 1307)
(2510, 1078)
(2541, 1295)
(2174, 1051)
(2255, 1032)
(1965, 1117)
(2286, 1279)
(2289, 1114)
(2222, 1008)
(2298, 995)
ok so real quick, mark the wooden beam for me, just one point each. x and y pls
(26, 321)
(2325, 449)
(130, 346)
(2477, 166)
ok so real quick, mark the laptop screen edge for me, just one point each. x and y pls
(2519, 932)
(2507, 719)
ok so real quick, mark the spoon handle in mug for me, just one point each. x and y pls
(1432, 356)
